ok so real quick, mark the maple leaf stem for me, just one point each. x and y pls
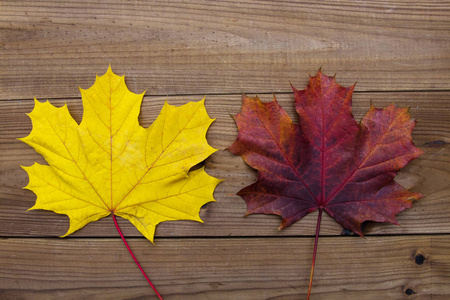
(134, 257)
(319, 219)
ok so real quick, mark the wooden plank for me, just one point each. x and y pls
(260, 268)
(199, 47)
(429, 174)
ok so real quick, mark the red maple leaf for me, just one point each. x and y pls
(328, 161)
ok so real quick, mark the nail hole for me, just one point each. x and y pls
(409, 292)
(419, 259)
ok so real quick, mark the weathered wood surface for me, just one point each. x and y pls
(232, 268)
(397, 51)
(206, 47)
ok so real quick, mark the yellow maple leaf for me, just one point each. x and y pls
(110, 164)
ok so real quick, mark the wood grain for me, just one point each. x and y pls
(199, 47)
(429, 174)
(259, 268)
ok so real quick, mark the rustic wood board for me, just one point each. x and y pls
(429, 174)
(232, 268)
(199, 47)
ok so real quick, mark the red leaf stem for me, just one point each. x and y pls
(319, 219)
(134, 257)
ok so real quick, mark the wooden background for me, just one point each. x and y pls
(396, 51)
